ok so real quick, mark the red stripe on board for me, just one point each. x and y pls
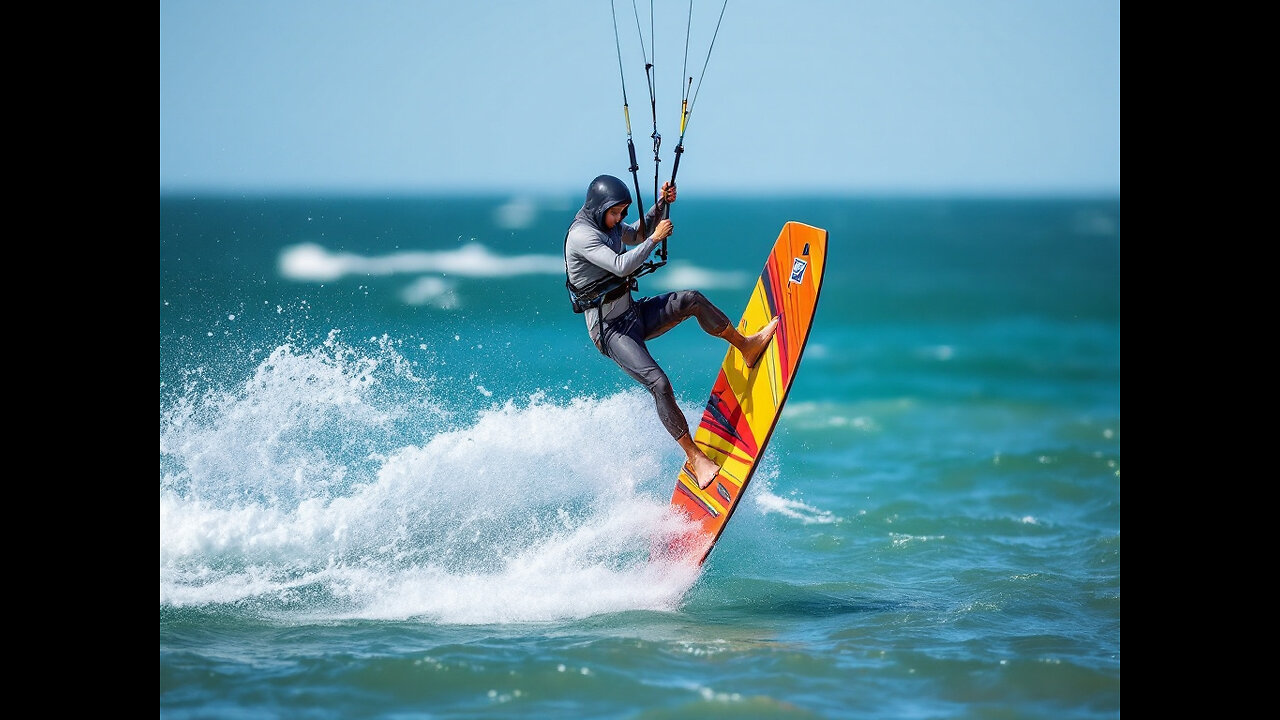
(777, 296)
(724, 418)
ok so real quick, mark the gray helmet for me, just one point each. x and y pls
(603, 193)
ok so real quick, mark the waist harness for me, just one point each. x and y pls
(598, 293)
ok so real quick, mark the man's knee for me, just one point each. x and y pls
(658, 383)
(691, 300)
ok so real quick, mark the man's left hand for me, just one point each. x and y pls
(668, 193)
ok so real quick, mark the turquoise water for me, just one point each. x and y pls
(397, 480)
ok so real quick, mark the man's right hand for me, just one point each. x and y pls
(662, 231)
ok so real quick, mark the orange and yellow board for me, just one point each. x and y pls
(745, 403)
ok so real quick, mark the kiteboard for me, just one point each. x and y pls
(746, 403)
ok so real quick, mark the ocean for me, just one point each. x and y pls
(398, 481)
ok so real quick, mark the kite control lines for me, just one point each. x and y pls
(686, 107)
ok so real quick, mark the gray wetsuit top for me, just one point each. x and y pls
(592, 253)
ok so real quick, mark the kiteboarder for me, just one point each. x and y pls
(600, 278)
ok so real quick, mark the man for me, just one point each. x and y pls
(599, 267)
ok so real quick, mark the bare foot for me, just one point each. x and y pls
(754, 346)
(704, 470)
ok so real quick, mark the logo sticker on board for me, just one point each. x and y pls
(798, 266)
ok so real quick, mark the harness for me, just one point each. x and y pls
(598, 293)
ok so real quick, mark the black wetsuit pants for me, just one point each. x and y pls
(623, 341)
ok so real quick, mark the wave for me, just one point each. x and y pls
(332, 484)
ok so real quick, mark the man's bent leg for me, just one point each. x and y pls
(633, 357)
(660, 314)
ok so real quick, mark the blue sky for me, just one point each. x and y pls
(799, 96)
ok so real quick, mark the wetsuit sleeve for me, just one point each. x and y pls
(592, 247)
